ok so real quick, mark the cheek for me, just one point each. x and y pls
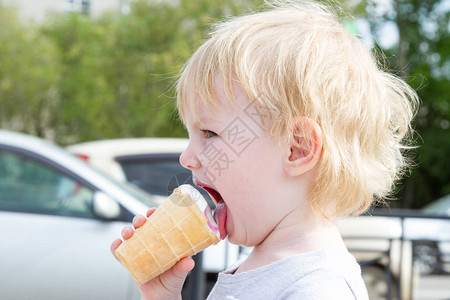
(245, 168)
(217, 160)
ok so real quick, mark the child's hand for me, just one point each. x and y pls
(167, 285)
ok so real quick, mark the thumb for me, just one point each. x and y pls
(173, 279)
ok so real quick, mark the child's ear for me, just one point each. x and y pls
(305, 146)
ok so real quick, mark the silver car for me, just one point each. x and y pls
(58, 217)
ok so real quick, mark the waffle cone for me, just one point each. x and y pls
(177, 229)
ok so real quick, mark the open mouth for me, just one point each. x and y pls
(220, 212)
(215, 196)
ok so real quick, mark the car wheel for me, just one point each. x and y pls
(375, 278)
(426, 258)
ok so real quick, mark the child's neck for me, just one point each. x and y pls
(291, 238)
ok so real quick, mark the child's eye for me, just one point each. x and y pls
(209, 133)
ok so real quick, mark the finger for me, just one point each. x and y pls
(151, 211)
(173, 279)
(114, 245)
(127, 232)
(138, 221)
(183, 266)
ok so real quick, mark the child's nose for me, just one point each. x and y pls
(188, 159)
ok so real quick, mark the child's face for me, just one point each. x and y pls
(233, 157)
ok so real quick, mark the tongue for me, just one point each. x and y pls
(220, 214)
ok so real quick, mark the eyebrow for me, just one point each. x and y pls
(203, 123)
(203, 119)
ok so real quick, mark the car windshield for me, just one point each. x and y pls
(439, 207)
(138, 194)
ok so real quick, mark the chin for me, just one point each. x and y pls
(233, 240)
(241, 242)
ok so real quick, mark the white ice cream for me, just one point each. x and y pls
(202, 205)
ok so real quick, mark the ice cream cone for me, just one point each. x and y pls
(177, 229)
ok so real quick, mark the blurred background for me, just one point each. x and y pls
(81, 70)
(73, 71)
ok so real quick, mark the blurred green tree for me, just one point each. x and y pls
(28, 77)
(421, 56)
(118, 71)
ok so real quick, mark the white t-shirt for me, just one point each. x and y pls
(314, 275)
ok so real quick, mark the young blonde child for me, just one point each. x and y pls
(291, 124)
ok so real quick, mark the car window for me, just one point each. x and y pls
(156, 175)
(27, 185)
(152, 176)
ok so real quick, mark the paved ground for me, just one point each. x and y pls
(433, 287)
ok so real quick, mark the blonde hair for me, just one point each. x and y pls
(305, 63)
